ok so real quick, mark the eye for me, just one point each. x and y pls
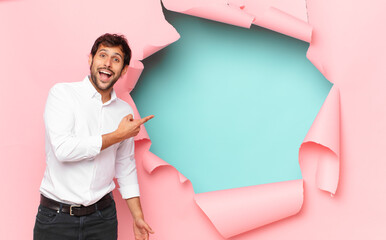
(116, 60)
(102, 55)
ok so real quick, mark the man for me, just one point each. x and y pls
(89, 141)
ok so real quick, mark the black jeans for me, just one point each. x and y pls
(51, 225)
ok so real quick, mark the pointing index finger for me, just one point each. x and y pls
(145, 119)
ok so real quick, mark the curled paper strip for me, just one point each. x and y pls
(286, 17)
(128, 82)
(282, 22)
(148, 50)
(295, 8)
(325, 133)
(252, 206)
(152, 162)
(214, 10)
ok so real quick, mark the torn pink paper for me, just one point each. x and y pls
(344, 48)
(149, 49)
(286, 17)
(216, 10)
(325, 132)
(295, 8)
(252, 206)
(130, 79)
(155, 162)
(289, 18)
(279, 21)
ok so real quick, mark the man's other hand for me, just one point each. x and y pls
(141, 229)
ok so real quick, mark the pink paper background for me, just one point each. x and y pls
(43, 42)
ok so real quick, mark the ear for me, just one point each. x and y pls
(124, 70)
(89, 60)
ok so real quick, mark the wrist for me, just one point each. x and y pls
(119, 136)
(135, 209)
(137, 216)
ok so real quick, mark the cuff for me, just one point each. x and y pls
(129, 191)
(95, 145)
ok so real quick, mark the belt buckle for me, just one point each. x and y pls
(71, 213)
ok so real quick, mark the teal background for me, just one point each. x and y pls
(231, 105)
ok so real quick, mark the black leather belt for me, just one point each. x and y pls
(76, 210)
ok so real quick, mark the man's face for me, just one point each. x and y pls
(106, 67)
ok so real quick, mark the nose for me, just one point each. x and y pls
(107, 61)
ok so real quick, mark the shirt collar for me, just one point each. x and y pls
(113, 95)
(91, 92)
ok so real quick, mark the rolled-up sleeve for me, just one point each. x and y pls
(59, 121)
(125, 169)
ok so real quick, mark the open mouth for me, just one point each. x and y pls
(105, 75)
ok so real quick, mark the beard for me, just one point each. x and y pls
(94, 74)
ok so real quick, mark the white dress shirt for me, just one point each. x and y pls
(77, 171)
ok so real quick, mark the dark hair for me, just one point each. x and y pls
(113, 40)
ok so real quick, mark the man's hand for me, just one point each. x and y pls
(141, 229)
(128, 127)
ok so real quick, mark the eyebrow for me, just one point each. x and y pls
(115, 53)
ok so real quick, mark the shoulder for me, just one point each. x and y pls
(63, 92)
(64, 88)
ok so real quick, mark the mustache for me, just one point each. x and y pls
(104, 68)
(101, 68)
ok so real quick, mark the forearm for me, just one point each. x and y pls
(135, 208)
(110, 139)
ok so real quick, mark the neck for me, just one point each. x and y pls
(105, 94)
